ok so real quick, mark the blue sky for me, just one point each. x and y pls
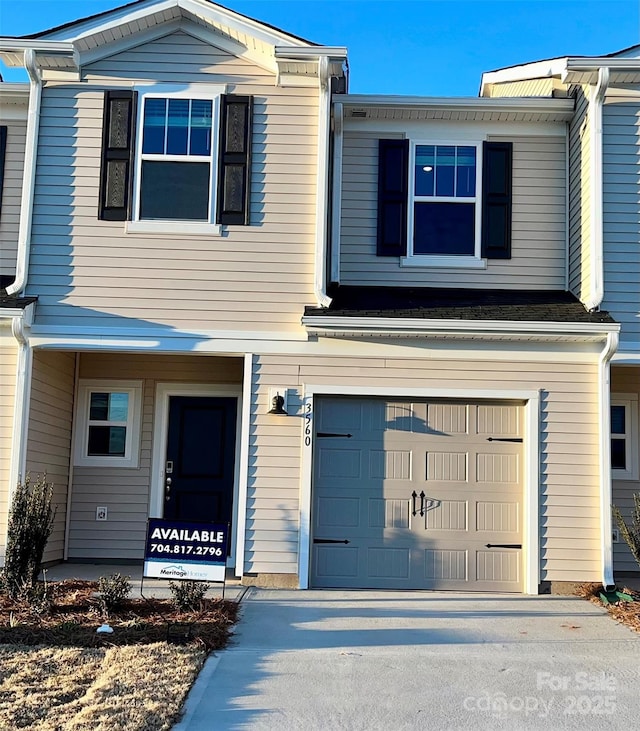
(425, 47)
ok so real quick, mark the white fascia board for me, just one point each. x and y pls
(595, 64)
(12, 50)
(391, 324)
(461, 103)
(9, 313)
(8, 90)
(310, 52)
(35, 44)
(537, 70)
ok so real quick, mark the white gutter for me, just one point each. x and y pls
(322, 182)
(604, 384)
(17, 466)
(339, 324)
(28, 183)
(596, 101)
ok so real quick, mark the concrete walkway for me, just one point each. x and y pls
(370, 660)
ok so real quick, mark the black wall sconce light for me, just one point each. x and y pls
(278, 402)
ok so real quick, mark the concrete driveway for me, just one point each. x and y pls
(365, 660)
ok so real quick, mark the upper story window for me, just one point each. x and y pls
(445, 215)
(183, 166)
(176, 162)
(444, 203)
(624, 437)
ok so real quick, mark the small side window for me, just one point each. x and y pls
(624, 437)
(108, 423)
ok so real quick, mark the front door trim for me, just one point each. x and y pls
(160, 428)
(531, 408)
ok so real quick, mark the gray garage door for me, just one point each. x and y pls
(423, 495)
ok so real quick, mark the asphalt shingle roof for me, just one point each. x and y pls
(458, 304)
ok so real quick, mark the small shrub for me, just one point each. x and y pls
(188, 595)
(39, 598)
(30, 524)
(114, 589)
(630, 533)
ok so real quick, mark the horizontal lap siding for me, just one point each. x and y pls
(621, 172)
(569, 502)
(531, 87)
(538, 257)
(49, 440)
(8, 362)
(125, 492)
(257, 277)
(11, 193)
(625, 380)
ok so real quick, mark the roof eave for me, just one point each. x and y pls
(331, 325)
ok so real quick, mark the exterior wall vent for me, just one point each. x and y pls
(359, 113)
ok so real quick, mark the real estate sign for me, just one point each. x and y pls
(185, 551)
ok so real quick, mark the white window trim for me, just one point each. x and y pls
(211, 92)
(132, 444)
(474, 261)
(630, 402)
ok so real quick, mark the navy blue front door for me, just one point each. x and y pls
(199, 466)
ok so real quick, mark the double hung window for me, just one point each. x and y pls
(176, 165)
(445, 210)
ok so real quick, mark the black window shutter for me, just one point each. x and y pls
(393, 183)
(3, 150)
(497, 158)
(234, 163)
(118, 148)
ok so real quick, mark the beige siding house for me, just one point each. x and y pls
(351, 327)
(604, 255)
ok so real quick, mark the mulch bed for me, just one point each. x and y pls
(75, 614)
(627, 613)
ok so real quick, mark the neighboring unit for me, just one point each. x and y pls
(364, 330)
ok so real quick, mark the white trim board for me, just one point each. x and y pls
(159, 445)
(531, 487)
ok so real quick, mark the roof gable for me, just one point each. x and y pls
(90, 39)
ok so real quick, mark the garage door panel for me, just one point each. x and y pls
(445, 565)
(447, 466)
(388, 513)
(444, 451)
(388, 563)
(446, 515)
(333, 562)
(499, 567)
(495, 517)
(391, 464)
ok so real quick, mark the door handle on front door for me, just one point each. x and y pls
(167, 488)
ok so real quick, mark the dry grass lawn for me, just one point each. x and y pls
(131, 688)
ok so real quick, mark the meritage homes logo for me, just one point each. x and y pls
(176, 572)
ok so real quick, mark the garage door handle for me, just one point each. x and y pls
(329, 540)
(517, 440)
(504, 545)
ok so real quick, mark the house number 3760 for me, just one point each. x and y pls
(307, 425)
